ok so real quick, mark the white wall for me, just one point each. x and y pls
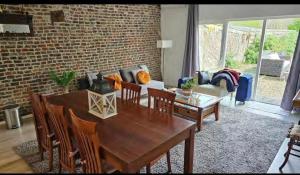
(174, 21)
(173, 27)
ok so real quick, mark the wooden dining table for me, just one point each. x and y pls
(136, 135)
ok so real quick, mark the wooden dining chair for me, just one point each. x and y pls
(163, 101)
(130, 92)
(67, 151)
(89, 146)
(46, 139)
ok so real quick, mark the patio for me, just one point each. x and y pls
(269, 89)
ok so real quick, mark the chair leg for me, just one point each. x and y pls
(41, 155)
(148, 168)
(287, 154)
(50, 153)
(59, 168)
(59, 165)
(169, 162)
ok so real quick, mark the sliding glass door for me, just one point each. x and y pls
(262, 48)
(242, 46)
(279, 46)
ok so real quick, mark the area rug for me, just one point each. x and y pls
(240, 142)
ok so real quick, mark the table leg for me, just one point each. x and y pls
(189, 152)
(199, 123)
(199, 120)
(217, 111)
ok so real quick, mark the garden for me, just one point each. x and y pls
(270, 88)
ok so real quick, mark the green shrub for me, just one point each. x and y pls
(230, 62)
(251, 54)
(295, 25)
(284, 44)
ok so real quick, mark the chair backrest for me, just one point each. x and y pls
(57, 117)
(130, 92)
(163, 100)
(42, 126)
(88, 143)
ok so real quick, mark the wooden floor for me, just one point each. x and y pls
(10, 162)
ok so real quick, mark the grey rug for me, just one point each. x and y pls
(240, 142)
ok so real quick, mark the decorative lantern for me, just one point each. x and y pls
(102, 98)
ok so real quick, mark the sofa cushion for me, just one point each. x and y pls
(134, 74)
(203, 77)
(152, 84)
(83, 83)
(117, 80)
(144, 67)
(211, 90)
(91, 76)
(143, 77)
(127, 75)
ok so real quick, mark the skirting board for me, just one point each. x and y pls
(23, 117)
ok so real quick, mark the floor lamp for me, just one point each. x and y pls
(163, 44)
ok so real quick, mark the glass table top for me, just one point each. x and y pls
(195, 99)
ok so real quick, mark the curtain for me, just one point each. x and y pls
(191, 53)
(293, 81)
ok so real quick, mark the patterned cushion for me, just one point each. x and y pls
(134, 74)
(143, 77)
(117, 79)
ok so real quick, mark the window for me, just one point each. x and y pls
(210, 37)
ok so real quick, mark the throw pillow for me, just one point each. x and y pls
(203, 77)
(126, 75)
(143, 77)
(117, 79)
(144, 67)
(91, 76)
(134, 74)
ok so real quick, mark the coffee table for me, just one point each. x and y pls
(197, 106)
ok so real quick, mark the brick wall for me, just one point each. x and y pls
(93, 37)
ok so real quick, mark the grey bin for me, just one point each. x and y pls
(12, 117)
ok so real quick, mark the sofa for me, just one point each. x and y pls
(219, 91)
(126, 75)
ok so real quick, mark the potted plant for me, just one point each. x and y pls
(63, 80)
(188, 86)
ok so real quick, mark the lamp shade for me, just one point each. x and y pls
(164, 43)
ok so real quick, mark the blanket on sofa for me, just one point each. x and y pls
(218, 76)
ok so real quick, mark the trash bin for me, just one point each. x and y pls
(12, 117)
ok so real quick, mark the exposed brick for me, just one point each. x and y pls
(93, 37)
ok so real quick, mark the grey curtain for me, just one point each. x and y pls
(191, 53)
(293, 81)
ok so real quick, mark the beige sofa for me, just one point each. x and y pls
(219, 91)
